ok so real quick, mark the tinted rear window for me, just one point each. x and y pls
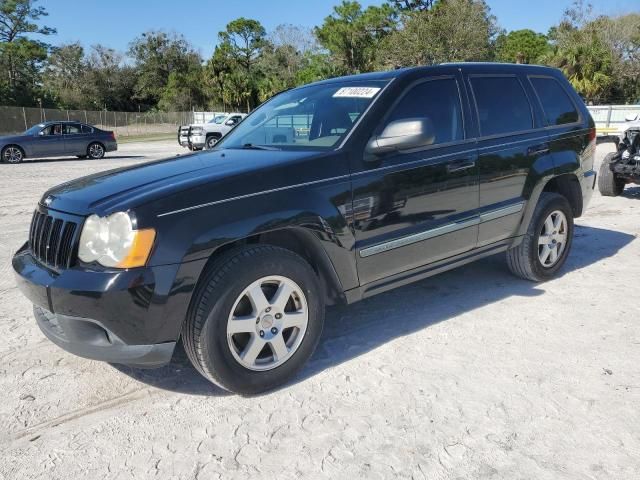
(86, 129)
(558, 107)
(502, 105)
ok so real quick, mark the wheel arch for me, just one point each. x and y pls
(299, 240)
(569, 187)
(20, 147)
(566, 184)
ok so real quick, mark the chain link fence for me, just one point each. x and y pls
(18, 119)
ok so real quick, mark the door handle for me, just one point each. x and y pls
(460, 165)
(541, 149)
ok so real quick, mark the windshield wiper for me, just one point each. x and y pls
(251, 146)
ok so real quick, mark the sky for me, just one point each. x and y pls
(114, 23)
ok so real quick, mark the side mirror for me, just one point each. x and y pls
(230, 123)
(41, 132)
(403, 134)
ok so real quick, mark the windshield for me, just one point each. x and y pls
(314, 117)
(35, 129)
(218, 119)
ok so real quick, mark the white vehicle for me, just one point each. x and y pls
(206, 135)
(183, 130)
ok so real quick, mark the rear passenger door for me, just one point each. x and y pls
(75, 141)
(568, 131)
(511, 143)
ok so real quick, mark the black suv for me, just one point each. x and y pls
(331, 192)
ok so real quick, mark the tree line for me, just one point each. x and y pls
(162, 71)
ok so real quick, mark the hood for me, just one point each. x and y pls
(11, 138)
(126, 188)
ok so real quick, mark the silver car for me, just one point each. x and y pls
(56, 139)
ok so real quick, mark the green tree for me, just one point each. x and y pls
(521, 46)
(233, 70)
(156, 55)
(413, 5)
(582, 54)
(64, 76)
(109, 82)
(450, 31)
(21, 56)
(352, 35)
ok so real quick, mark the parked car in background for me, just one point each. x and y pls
(401, 175)
(206, 135)
(57, 139)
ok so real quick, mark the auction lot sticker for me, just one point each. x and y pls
(357, 92)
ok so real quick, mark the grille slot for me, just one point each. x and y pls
(52, 240)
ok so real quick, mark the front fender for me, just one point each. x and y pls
(322, 210)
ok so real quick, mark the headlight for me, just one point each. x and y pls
(113, 242)
(196, 129)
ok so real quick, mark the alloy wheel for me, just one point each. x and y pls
(267, 323)
(552, 239)
(12, 155)
(96, 150)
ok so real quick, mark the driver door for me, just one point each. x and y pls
(412, 208)
(49, 142)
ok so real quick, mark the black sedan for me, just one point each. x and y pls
(55, 139)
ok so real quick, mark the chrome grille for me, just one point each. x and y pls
(52, 239)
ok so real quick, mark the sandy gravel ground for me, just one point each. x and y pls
(471, 374)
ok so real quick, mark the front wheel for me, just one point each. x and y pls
(12, 154)
(95, 151)
(211, 142)
(255, 320)
(547, 243)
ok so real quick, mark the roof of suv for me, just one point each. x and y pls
(484, 67)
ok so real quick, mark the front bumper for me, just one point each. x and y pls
(89, 339)
(122, 316)
(197, 141)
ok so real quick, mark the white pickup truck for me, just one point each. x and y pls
(205, 135)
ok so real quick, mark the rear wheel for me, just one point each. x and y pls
(12, 154)
(547, 243)
(256, 319)
(608, 184)
(95, 151)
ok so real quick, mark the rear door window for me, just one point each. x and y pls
(558, 107)
(502, 104)
(71, 128)
(86, 129)
(438, 100)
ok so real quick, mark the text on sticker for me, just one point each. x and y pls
(357, 92)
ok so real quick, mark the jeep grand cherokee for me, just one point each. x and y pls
(327, 193)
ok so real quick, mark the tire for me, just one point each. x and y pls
(95, 151)
(12, 154)
(218, 354)
(526, 260)
(211, 142)
(608, 184)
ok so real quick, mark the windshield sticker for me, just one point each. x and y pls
(357, 92)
